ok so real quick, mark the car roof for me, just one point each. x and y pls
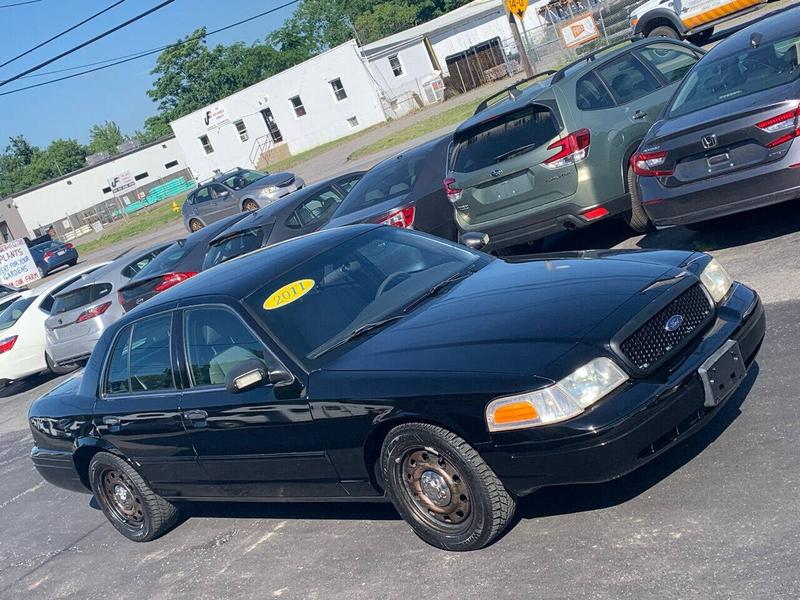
(775, 25)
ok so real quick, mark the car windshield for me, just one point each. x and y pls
(242, 179)
(13, 312)
(80, 297)
(164, 262)
(233, 245)
(387, 181)
(719, 79)
(372, 277)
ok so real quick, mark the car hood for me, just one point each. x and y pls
(272, 179)
(518, 318)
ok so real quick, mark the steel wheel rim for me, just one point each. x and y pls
(435, 489)
(121, 498)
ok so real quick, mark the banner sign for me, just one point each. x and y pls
(579, 31)
(215, 116)
(123, 181)
(16, 264)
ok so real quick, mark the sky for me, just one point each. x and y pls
(68, 109)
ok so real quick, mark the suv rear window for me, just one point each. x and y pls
(497, 139)
(233, 245)
(749, 71)
(80, 297)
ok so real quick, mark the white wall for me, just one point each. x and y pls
(82, 190)
(325, 119)
(417, 69)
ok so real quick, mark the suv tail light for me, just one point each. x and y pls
(646, 164)
(172, 279)
(7, 343)
(93, 312)
(571, 149)
(453, 193)
(787, 121)
(400, 217)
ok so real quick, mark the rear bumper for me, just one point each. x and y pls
(72, 351)
(59, 261)
(630, 428)
(537, 224)
(58, 468)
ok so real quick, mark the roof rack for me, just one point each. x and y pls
(591, 56)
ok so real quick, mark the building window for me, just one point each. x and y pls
(171, 164)
(394, 62)
(297, 104)
(338, 90)
(141, 176)
(206, 143)
(106, 190)
(242, 131)
(353, 122)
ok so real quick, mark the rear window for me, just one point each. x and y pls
(164, 262)
(140, 263)
(719, 79)
(42, 248)
(12, 313)
(80, 297)
(233, 245)
(498, 139)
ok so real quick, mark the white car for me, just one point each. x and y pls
(22, 333)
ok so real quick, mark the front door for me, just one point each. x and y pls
(258, 443)
(138, 411)
(272, 126)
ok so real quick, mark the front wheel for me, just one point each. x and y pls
(637, 218)
(135, 510)
(665, 31)
(442, 487)
(195, 225)
(250, 205)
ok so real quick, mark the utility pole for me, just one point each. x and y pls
(523, 53)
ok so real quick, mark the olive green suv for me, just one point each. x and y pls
(556, 154)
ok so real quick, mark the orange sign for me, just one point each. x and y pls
(517, 7)
(580, 30)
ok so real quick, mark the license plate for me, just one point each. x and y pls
(61, 252)
(722, 373)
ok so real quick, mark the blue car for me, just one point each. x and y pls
(52, 255)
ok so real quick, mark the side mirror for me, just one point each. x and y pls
(252, 373)
(475, 240)
(224, 194)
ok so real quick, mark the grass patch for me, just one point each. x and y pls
(140, 222)
(452, 116)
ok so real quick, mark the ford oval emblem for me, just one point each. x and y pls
(496, 173)
(673, 323)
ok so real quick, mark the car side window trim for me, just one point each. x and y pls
(642, 63)
(662, 81)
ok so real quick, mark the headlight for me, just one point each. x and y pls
(716, 280)
(564, 400)
(271, 189)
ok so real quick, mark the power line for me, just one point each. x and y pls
(87, 42)
(129, 58)
(19, 3)
(66, 31)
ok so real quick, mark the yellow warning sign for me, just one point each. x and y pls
(517, 7)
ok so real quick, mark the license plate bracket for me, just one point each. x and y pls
(722, 373)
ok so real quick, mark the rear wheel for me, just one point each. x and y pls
(665, 31)
(443, 488)
(135, 510)
(250, 205)
(636, 219)
(58, 369)
(195, 225)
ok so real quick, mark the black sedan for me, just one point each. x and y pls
(369, 362)
(299, 213)
(726, 142)
(180, 261)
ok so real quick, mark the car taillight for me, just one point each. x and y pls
(595, 213)
(172, 279)
(571, 149)
(121, 298)
(7, 343)
(453, 193)
(48, 255)
(646, 164)
(787, 121)
(93, 312)
(401, 217)
(68, 246)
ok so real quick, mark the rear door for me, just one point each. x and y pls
(204, 205)
(224, 203)
(499, 164)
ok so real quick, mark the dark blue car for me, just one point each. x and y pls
(52, 255)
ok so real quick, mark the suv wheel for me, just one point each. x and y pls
(250, 205)
(443, 488)
(195, 225)
(665, 31)
(58, 369)
(636, 219)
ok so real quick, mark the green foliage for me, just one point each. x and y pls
(23, 165)
(106, 138)
(155, 127)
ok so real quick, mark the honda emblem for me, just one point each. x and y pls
(709, 141)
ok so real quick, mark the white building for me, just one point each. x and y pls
(73, 202)
(322, 99)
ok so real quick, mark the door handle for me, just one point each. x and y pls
(113, 423)
(639, 115)
(197, 418)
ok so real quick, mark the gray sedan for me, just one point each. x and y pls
(236, 191)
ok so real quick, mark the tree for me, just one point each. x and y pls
(106, 138)
(23, 165)
(155, 127)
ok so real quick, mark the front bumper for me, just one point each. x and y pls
(628, 429)
(297, 184)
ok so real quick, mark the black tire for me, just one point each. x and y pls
(135, 510)
(664, 31)
(637, 218)
(698, 39)
(471, 507)
(72, 263)
(58, 369)
(249, 205)
(195, 225)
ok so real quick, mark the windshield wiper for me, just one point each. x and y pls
(357, 332)
(438, 288)
(510, 153)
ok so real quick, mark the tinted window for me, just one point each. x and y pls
(365, 279)
(350, 182)
(217, 190)
(234, 245)
(216, 340)
(164, 262)
(719, 79)
(243, 179)
(80, 297)
(591, 94)
(117, 378)
(202, 195)
(42, 248)
(320, 205)
(139, 264)
(14, 311)
(499, 139)
(673, 62)
(627, 78)
(150, 358)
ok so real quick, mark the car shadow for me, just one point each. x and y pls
(26, 385)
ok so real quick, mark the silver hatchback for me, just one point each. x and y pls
(237, 191)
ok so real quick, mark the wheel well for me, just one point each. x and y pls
(628, 154)
(82, 457)
(658, 22)
(246, 200)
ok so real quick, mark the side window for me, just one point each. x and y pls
(325, 202)
(134, 267)
(591, 94)
(350, 182)
(150, 356)
(202, 195)
(218, 190)
(628, 78)
(216, 341)
(117, 380)
(673, 62)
